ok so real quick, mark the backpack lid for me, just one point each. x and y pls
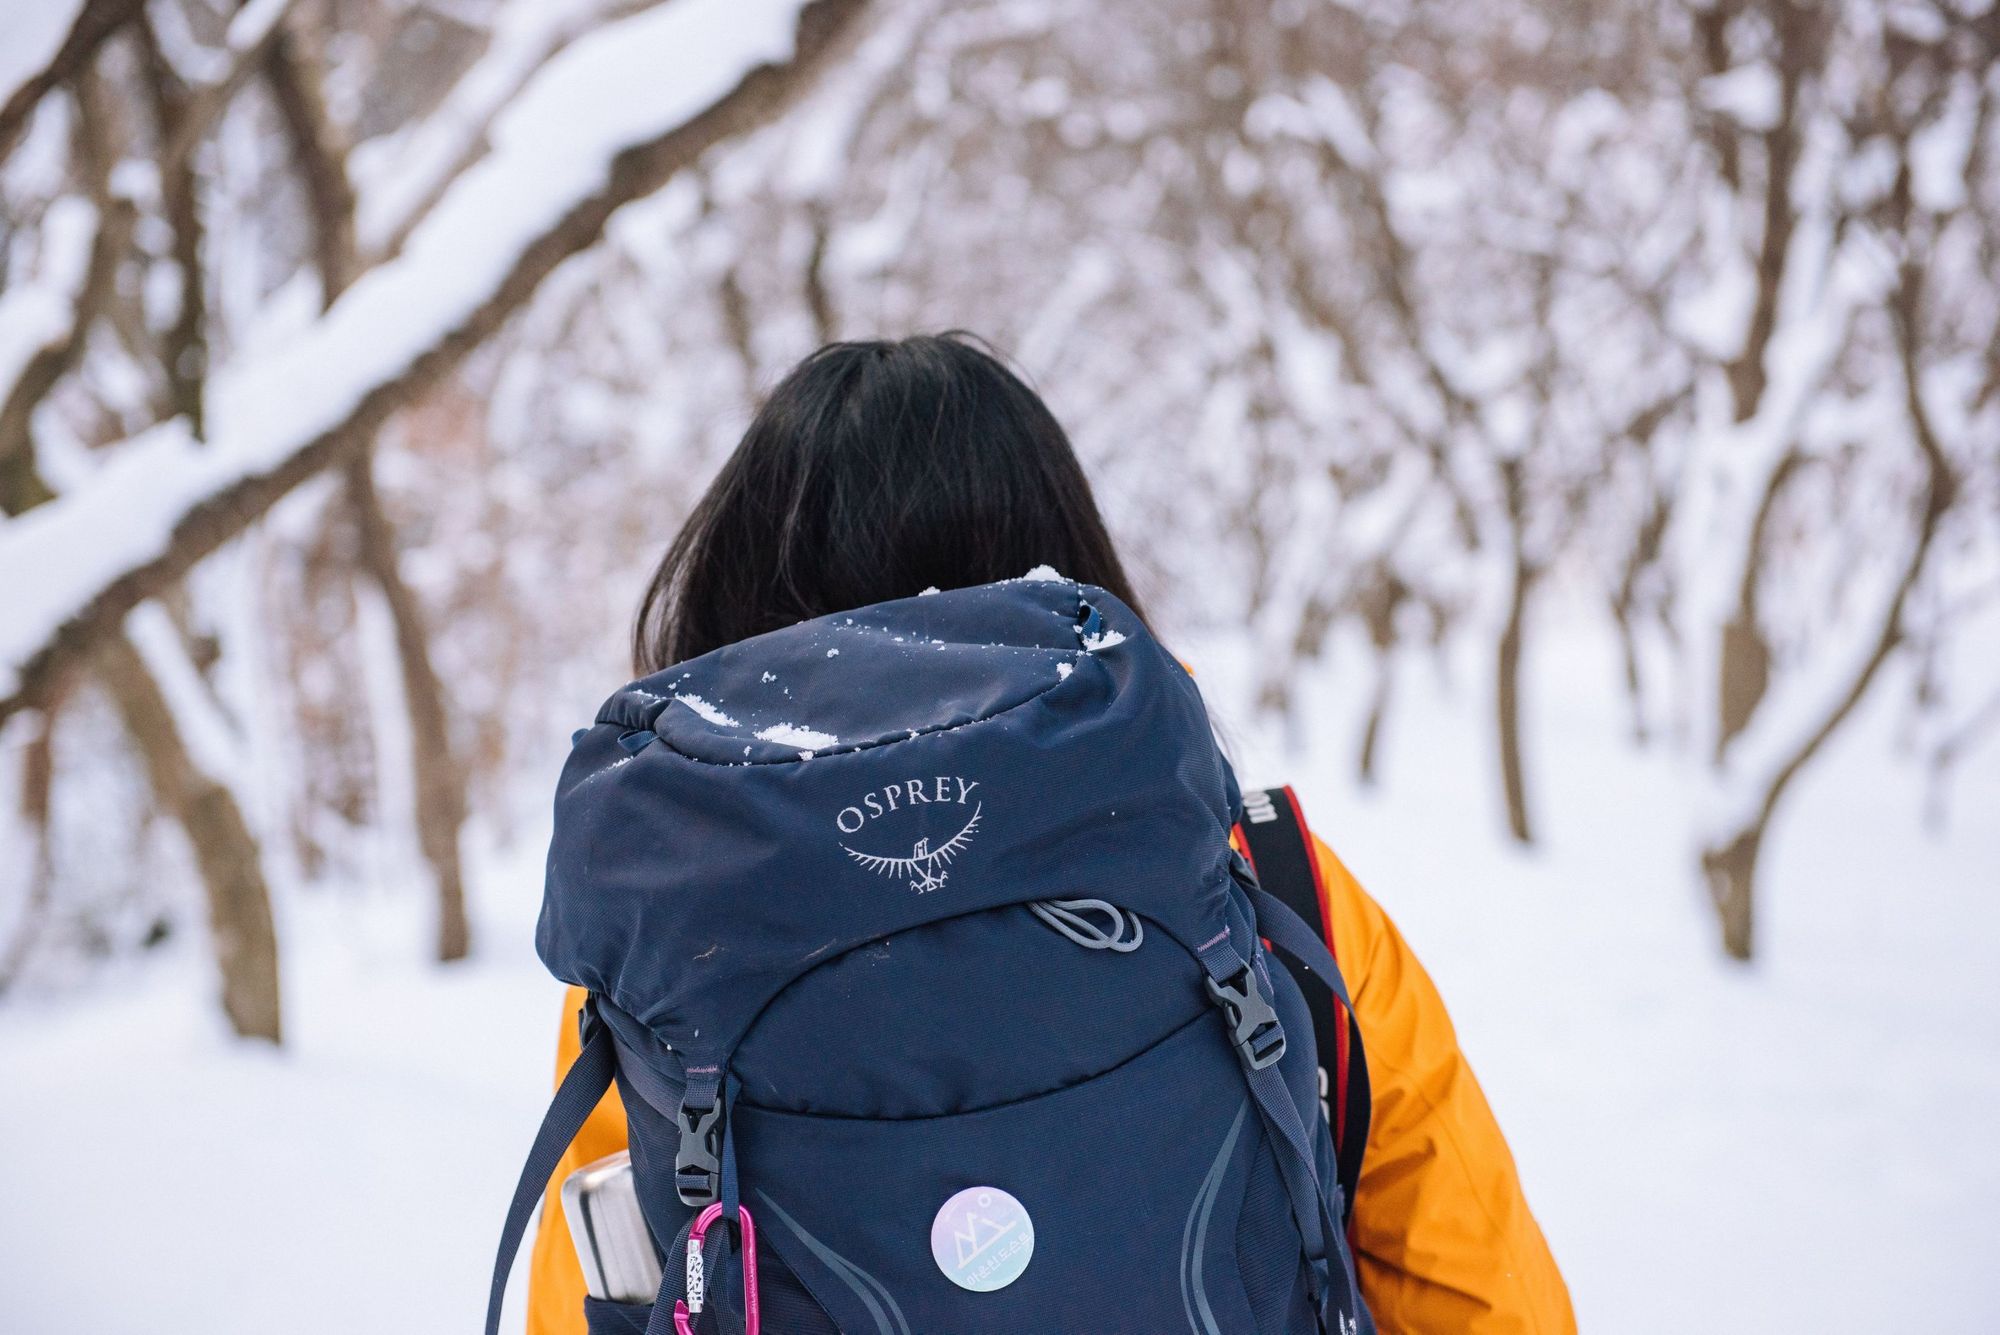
(733, 821)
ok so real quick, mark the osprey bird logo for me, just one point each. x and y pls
(925, 865)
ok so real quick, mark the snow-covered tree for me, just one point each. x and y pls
(205, 324)
(356, 358)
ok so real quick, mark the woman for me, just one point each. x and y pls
(879, 469)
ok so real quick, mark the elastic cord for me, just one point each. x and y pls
(1068, 916)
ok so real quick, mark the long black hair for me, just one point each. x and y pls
(873, 471)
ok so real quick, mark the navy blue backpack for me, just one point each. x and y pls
(917, 948)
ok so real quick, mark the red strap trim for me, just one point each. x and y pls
(1242, 842)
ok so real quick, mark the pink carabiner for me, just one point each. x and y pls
(689, 1307)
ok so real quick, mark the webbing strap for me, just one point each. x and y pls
(578, 1095)
(660, 1317)
(1341, 1309)
(723, 1291)
(1288, 932)
(1280, 853)
(1317, 1217)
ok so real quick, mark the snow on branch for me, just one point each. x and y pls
(251, 28)
(30, 38)
(1802, 712)
(215, 77)
(37, 316)
(609, 120)
(402, 176)
(42, 43)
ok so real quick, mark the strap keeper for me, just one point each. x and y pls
(1253, 1023)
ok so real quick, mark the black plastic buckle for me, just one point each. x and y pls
(698, 1165)
(1253, 1025)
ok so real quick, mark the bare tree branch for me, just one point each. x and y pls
(21, 484)
(319, 160)
(1747, 373)
(205, 103)
(440, 786)
(95, 23)
(177, 114)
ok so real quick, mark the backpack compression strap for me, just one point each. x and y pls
(1280, 852)
(578, 1095)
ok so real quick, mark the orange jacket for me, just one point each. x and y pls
(1445, 1239)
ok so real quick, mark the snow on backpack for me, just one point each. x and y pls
(917, 947)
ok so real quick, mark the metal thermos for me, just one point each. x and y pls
(612, 1241)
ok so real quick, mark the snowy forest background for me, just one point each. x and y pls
(1564, 437)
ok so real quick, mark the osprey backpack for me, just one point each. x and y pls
(917, 947)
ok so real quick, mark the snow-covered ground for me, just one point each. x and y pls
(1803, 1145)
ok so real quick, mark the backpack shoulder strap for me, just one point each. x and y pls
(588, 1079)
(1280, 851)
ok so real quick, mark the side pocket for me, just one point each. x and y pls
(609, 1318)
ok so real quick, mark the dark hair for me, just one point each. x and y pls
(875, 470)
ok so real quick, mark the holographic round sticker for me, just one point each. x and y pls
(982, 1239)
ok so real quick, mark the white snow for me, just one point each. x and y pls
(213, 743)
(709, 711)
(1104, 639)
(1941, 150)
(37, 315)
(1337, 119)
(927, 592)
(1046, 575)
(185, 54)
(820, 148)
(30, 36)
(253, 23)
(624, 83)
(199, 64)
(795, 734)
(368, 1164)
(1749, 93)
(1063, 670)
(397, 178)
(833, 653)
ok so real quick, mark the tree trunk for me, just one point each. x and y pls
(1628, 658)
(440, 790)
(1732, 883)
(37, 786)
(1507, 660)
(239, 901)
(1367, 766)
(1745, 677)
